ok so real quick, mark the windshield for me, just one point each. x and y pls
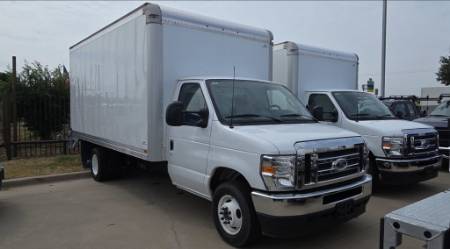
(442, 110)
(256, 103)
(362, 106)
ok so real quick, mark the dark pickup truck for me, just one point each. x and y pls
(439, 118)
(403, 107)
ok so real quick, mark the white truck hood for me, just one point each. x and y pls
(284, 136)
(385, 127)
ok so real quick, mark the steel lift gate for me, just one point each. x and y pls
(427, 220)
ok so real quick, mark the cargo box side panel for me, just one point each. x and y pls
(191, 52)
(280, 67)
(199, 52)
(109, 87)
(318, 72)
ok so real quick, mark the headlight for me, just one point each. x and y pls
(278, 172)
(393, 146)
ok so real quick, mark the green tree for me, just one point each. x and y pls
(42, 97)
(444, 71)
(4, 82)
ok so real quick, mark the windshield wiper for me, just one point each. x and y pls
(292, 115)
(385, 116)
(438, 115)
(254, 116)
(296, 115)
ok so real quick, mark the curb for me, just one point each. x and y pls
(45, 179)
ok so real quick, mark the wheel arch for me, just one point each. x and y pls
(222, 174)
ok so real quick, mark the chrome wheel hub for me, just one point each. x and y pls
(230, 214)
(94, 164)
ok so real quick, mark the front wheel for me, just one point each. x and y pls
(234, 215)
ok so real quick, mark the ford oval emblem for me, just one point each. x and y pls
(339, 164)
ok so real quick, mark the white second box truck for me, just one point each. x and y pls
(140, 90)
(401, 152)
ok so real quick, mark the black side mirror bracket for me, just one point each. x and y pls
(317, 112)
(204, 115)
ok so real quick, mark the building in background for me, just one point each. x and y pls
(433, 94)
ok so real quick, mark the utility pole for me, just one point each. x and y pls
(383, 51)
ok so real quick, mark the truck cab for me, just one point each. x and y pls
(403, 107)
(282, 162)
(401, 152)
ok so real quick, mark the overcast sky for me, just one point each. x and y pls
(418, 32)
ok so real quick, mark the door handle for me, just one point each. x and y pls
(171, 145)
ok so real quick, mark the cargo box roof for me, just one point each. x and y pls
(296, 48)
(165, 15)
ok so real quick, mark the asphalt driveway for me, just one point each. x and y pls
(146, 211)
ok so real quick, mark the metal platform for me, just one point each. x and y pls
(427, 220)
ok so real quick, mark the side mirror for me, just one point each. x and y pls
(317, 112)
(174, 114)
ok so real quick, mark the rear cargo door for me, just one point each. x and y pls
(189, 144)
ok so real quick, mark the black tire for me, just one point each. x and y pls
(373, 171)
(250, 230)
(100, 170)
(85, 154)
(445, 165)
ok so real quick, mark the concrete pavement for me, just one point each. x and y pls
(146, 211)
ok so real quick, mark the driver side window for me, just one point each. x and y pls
(328, 111)
(194, 104)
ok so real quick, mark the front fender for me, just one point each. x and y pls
(245, 163)
(374, 145)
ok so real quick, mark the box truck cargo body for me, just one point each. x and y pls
(123, 75)
(401, 152)
(303, 67)
(140, 91)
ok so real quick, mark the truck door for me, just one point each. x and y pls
(323, 109)
(189, 143)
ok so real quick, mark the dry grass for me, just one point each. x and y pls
(39, 166)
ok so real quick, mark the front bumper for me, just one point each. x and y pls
(406, 171)
(285, 214)
(297, 204)
(445, 151)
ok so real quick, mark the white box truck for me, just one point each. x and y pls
(401, 152)
(140, 90)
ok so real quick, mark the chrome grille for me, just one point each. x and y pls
(326, 165)
(422, 143)
(322, 166)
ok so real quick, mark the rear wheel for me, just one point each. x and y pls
(234, 215)
(101, 170)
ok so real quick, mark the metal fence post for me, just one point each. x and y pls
(14, 105)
